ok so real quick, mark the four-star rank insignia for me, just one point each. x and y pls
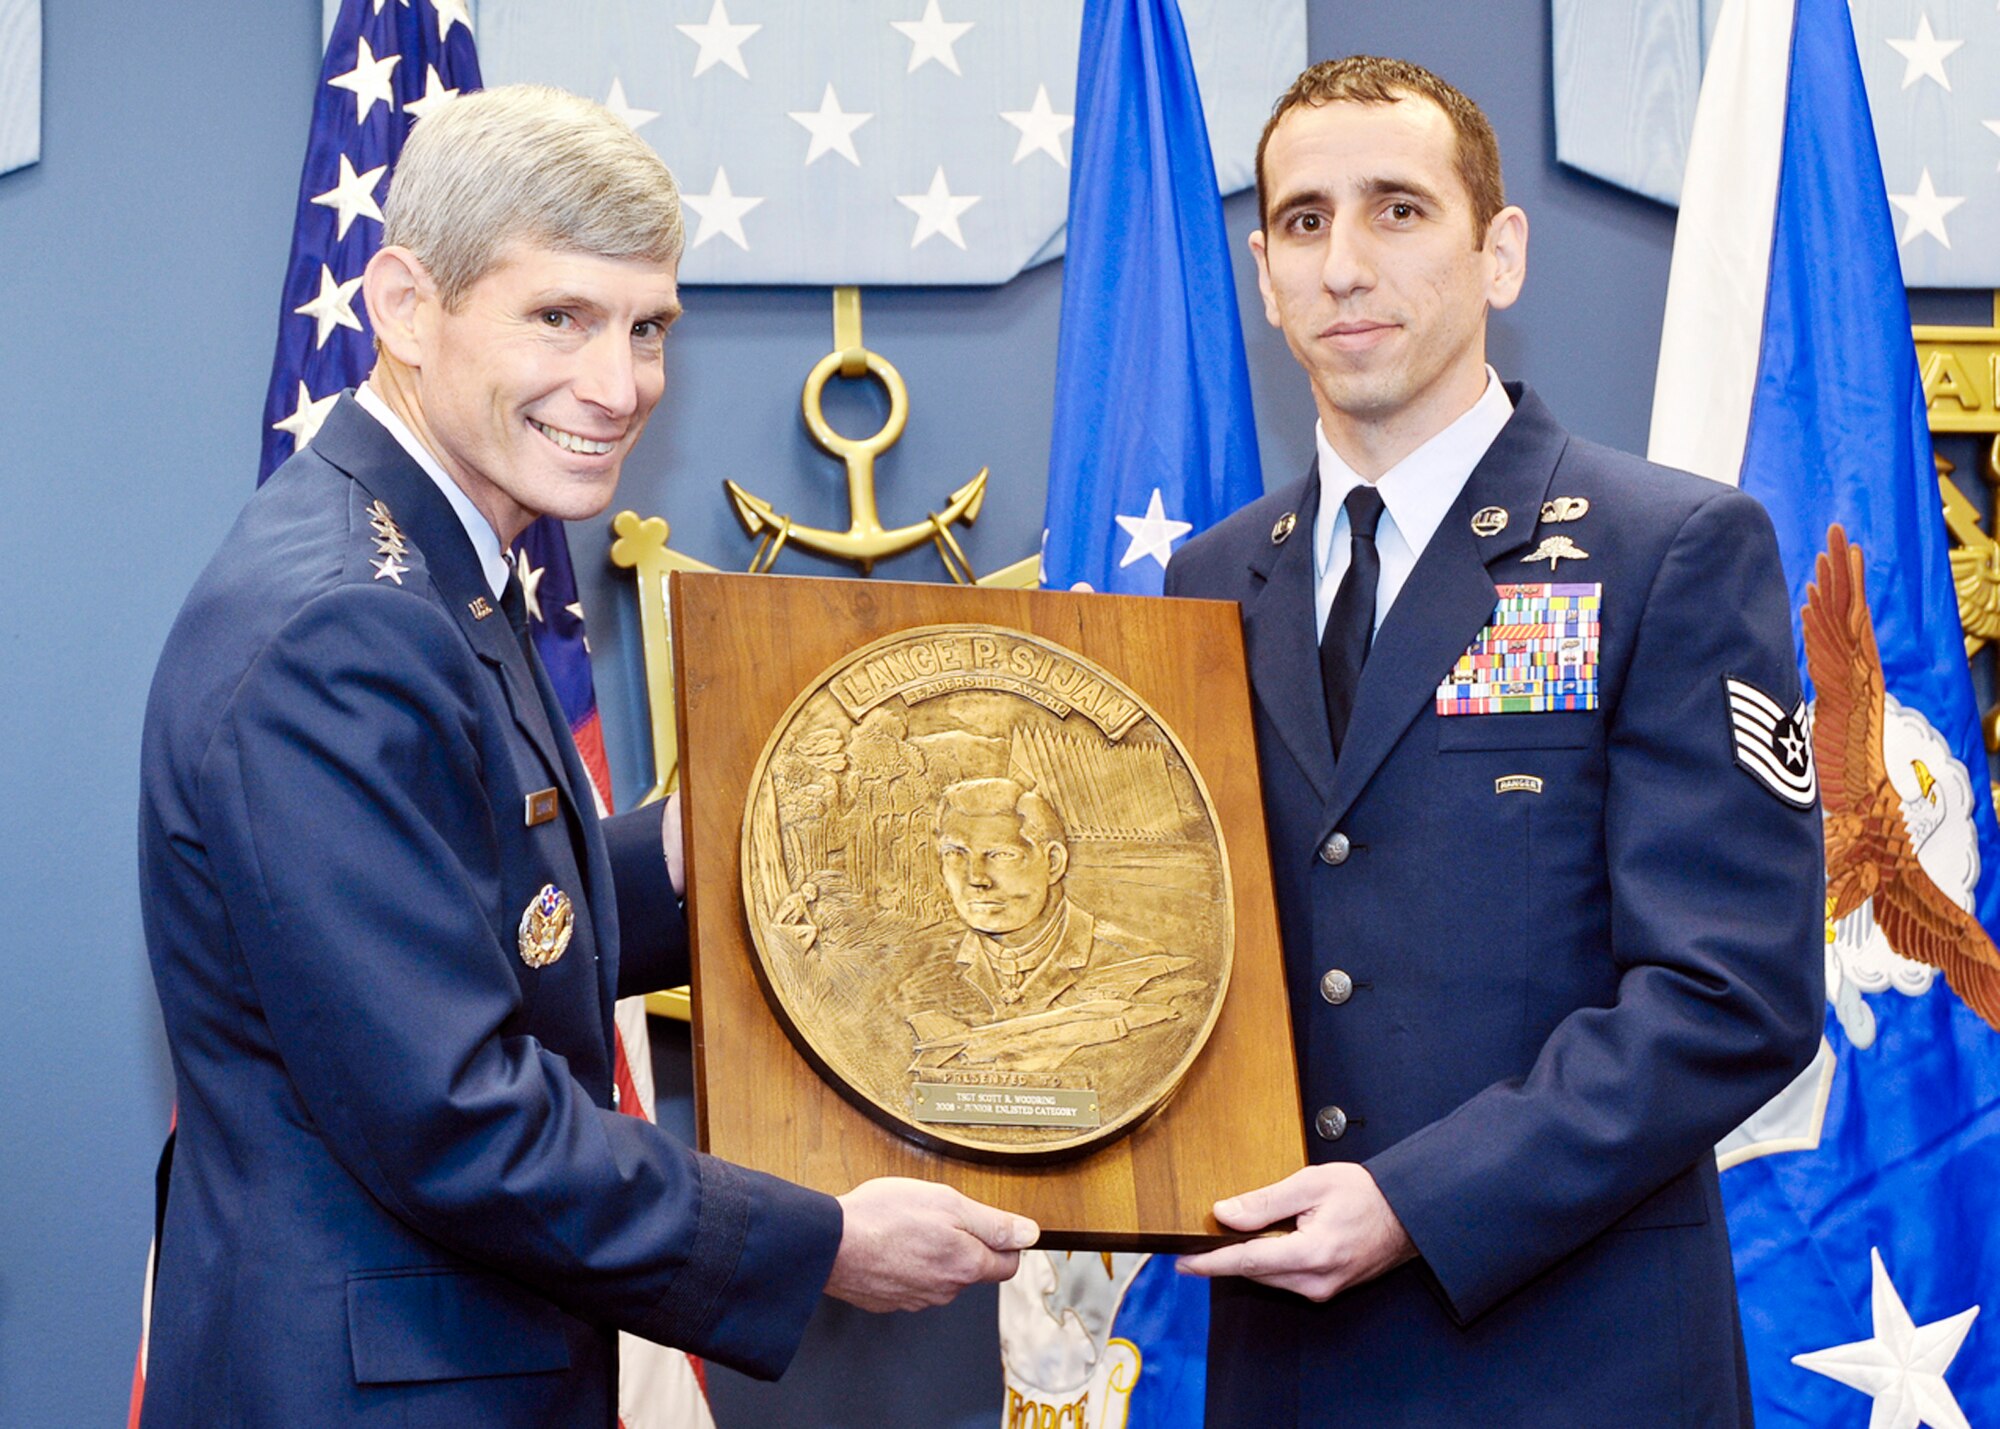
(546, 924)
(1771, 746)
(390, 545)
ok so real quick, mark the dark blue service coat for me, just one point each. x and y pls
(401, 1193)
(1562, 994)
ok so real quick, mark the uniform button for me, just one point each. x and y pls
(1330, 1122)
(614, 1098)
(1335, 849)
(1336, 986)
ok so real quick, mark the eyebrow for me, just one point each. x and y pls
(1373, 187)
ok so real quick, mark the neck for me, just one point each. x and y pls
(396, 384)
(1372, 443)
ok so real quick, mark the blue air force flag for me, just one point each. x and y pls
(1154, 437)
(1627, 72)
(1860, 1202)
(1153, 440)
(871, 141)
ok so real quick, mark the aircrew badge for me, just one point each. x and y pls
(546, 924)
(1536, 653)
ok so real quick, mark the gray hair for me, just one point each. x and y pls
(527, 164)
(1041, 825)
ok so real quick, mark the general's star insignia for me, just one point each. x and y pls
(391, 566)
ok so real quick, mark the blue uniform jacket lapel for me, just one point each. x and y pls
(1278, 621)
(1449, 595)
(360, 446)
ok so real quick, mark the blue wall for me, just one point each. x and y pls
(139, 272)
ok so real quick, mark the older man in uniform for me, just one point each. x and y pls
(1552, 922)
(386, 924)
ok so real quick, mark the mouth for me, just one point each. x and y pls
(1356, 334)
(573, 441)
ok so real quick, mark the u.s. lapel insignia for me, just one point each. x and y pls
(1553, 549)
(1565, 508)
(1284, 528)
(480, 607)
(1489, 520)
(546, 924)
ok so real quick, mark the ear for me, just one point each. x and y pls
(1507, 247)
(396, 287)
(1058, 856)
(1264, 277)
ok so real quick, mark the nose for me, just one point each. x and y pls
(1348, 267)
(608, 376)
(977, 871)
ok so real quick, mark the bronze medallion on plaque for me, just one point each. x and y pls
(987, 891)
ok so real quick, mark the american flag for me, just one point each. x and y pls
(388, 64)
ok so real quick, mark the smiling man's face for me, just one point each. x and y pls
(1372, 266)
(533, 389)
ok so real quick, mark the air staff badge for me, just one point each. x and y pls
(546, 924)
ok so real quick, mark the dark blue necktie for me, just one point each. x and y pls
(1350, 625)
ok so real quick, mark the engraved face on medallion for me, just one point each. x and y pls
(987, 891)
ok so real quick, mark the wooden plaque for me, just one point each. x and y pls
(749, 651)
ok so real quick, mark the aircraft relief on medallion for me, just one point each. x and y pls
(987, 891)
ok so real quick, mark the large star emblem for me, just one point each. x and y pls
(1152, 534)
(1902, 1365)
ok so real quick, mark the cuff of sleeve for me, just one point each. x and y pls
(760, 1262)
(652, 929)
(1451, 1256)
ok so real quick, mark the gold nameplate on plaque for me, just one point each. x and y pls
(542, 807)
(998, 851)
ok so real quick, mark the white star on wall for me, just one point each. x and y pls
(720, 41)
(307, 416)
(449, 13)
(1994, 125)
(368, 81)
(1902, 1366)
(1924, 54)
(721, 211)
(932, 38)
(1041, 128)
(630, 114)
(1924, 211)
(332, 307)
(353, 197)
(832, 130)
(938, 210)
(436, 96)
(1152, 534)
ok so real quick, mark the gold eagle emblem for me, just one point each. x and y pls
(1868, 848)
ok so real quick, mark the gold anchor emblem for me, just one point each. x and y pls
(866, 540)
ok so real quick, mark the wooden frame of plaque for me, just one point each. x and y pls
(904, 964)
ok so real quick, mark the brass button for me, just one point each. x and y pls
(1336, 986)
(1330, 1122)
(1335, 850)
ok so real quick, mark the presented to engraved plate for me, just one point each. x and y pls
(979, 891)
(987, 892)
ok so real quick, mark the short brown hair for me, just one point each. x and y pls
(1370, 79)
